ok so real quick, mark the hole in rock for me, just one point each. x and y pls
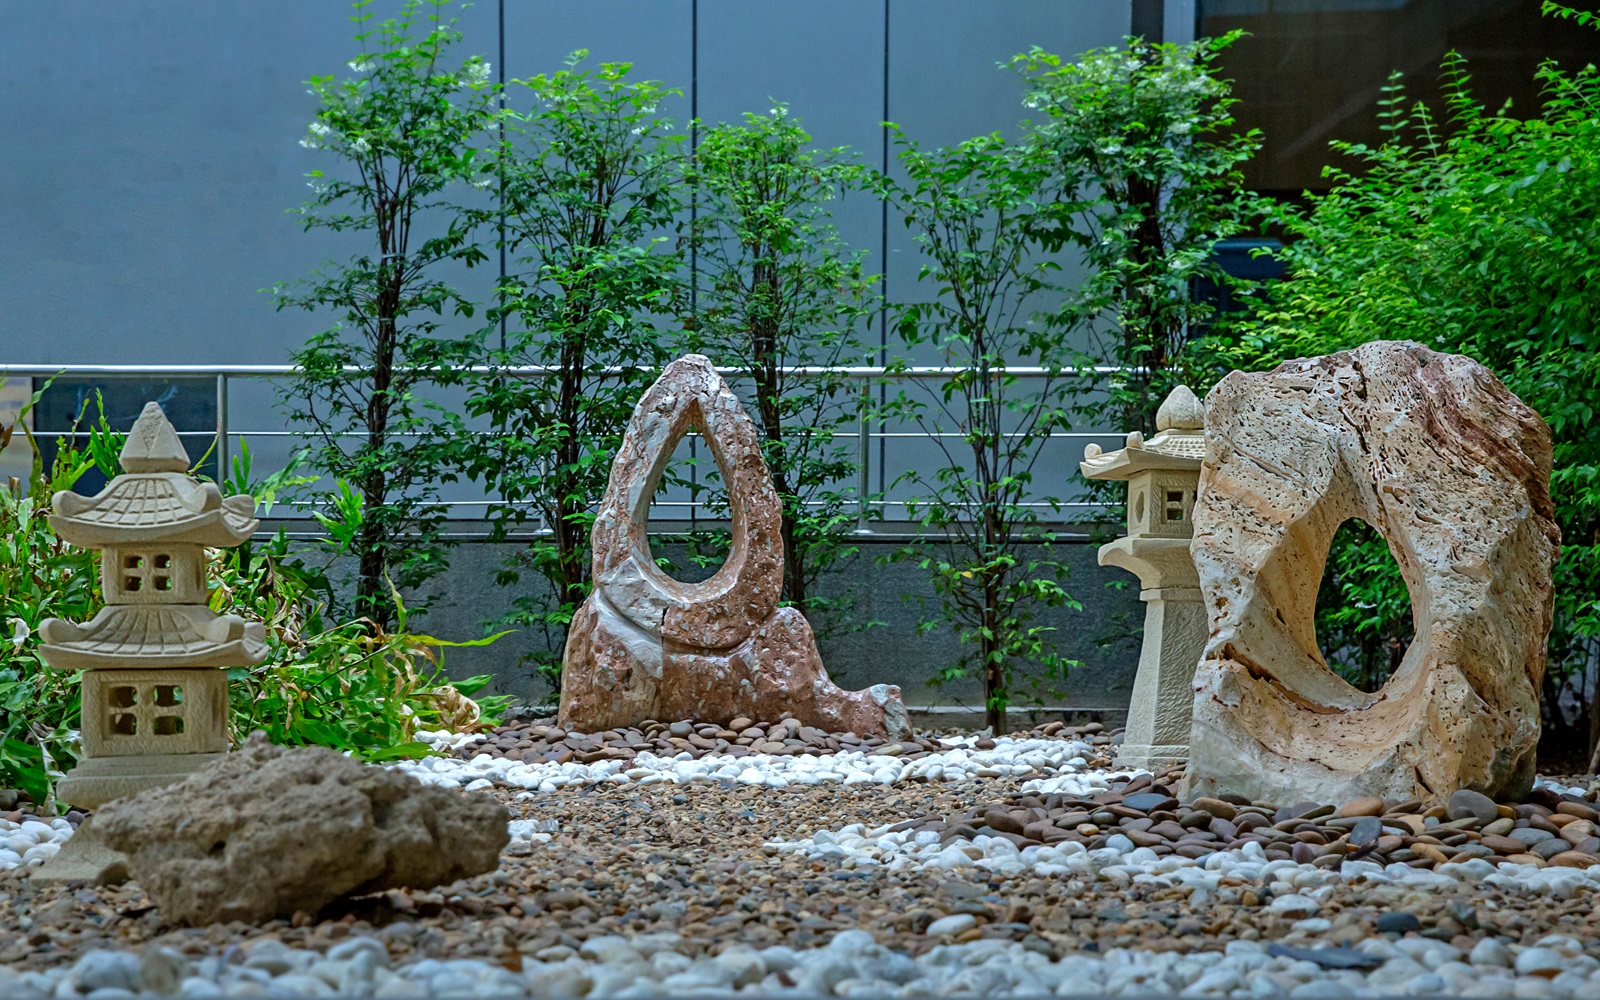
(163, 562)
(169, 725)
(168, 695)
(1363, 608)
(132, 582)
(124, 697)
(125, 724)
(163, 583)
(689, 543)
(132, 562)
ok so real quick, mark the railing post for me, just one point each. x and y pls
(863, 454)
(222, 427)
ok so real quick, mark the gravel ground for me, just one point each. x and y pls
(629, 888)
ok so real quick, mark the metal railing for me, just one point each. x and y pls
(866, 434)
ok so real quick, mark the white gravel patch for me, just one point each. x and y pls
(860, 847)
(961, 761)
(852, 964)
(32, 842)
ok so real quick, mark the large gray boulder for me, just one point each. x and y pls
(267, 831)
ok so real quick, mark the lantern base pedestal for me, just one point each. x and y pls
(98, 780)
(1145, 757)
(83, 858)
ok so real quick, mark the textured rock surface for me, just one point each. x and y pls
(1454, 471)
(646, 646)
(267, 831)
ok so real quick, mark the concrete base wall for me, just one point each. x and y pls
(895, 596)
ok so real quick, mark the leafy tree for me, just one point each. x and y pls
(1147, 182)
(780, 290)
(590, 179)
(1477, 233)
(974, 209)
(405, 128)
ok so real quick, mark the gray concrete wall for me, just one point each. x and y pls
(149, 152)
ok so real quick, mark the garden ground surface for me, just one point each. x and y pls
(968, 866)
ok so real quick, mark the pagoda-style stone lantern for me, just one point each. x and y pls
(155, 696)
(1163, 476)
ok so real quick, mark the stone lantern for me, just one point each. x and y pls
(1163, 476)
(155, 694)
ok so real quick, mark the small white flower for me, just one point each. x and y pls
(20, 635)
(475, 74)
(310, 144)
(360, 65)
(318, 128)
(359, 145)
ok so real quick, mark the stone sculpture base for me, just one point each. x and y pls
(84, 858)
(774, 673)
(98, 780)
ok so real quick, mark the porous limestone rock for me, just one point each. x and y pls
(266, 831)
(646, 646)
(1453, 470)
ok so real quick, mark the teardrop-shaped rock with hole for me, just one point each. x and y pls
(1453, 470)
(646, 646)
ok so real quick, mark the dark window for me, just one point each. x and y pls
(1311, 71)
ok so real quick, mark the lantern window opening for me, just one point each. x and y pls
(133, 562)
(124, 697)
(168, 695)
(169, 725)
(125, 724)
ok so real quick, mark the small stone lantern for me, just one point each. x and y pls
(1163, 476)
(155, 696)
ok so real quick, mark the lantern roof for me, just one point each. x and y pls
(155, 499)
(1179, 443)
(153, 635)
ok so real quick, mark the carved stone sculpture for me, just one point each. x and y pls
(646, 646)
(1453, 470)
(1163, 475)
(266, 831)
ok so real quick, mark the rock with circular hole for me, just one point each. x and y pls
(267, 831)
(1453, 471)
(645, 645)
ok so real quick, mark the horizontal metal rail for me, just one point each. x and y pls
(865, 434)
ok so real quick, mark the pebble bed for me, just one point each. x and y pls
(545, 743)
(951, 759)
(852, 964)
(961, 866)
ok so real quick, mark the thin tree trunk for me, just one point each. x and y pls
(373, 547)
